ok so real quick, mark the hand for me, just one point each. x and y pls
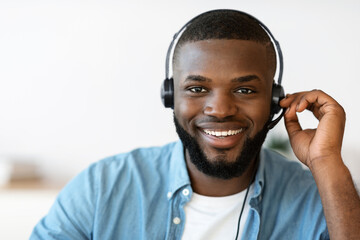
(314, 146)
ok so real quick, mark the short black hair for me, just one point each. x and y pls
(227, 24)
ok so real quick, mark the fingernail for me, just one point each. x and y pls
(287, 110)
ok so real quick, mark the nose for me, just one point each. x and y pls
(220, 105)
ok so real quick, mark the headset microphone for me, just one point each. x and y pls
(167, 88)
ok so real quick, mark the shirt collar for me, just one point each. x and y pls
(178, 175)
(260, 175)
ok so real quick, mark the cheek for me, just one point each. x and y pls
(186, 109)
(258, 112)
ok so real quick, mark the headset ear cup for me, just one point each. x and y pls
(277, 94)
(167, 93)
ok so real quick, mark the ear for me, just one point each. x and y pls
(167, 93)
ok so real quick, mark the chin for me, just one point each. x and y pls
(218, 154)
(223, 163)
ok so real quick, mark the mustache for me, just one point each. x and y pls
(212, 119)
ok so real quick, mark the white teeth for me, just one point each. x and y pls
(223, 133)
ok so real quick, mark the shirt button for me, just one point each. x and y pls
(176, 220)
(186, 192)
(169, 194)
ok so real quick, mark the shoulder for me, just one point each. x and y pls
(288, 179)
(290, 183)
(121, 170)
(106, 188)
(280, 170)
(140, 159)
(291, 195)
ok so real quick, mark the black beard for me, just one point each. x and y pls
(220, 167)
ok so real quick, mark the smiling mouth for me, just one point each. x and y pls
(222, 134)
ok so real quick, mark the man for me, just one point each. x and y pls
(217, 182)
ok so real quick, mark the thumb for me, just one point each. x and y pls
(292, 123)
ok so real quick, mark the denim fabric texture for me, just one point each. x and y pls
(139, 195)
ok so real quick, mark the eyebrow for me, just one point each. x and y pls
(199, 78)
(246, 79)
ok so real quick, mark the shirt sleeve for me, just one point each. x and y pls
(72, 214)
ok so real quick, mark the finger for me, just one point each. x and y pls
(317, 102)
(306, 100)
(292, 122)
(294, 101)
(289, 98)
(310, 102)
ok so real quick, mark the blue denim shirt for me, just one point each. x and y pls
(140, 195)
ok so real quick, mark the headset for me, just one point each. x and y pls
(167, 88)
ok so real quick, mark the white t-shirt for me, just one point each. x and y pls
(215, 217)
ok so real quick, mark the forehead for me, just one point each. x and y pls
(221, 57)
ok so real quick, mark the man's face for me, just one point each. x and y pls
(222, 95)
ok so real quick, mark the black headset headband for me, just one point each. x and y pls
(272, 38)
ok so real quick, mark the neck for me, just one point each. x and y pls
(216, 187)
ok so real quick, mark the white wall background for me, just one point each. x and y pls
(80, 80)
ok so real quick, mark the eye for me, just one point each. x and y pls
(197, 90)
(244, 91)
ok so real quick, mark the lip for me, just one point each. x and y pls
(221, 126)
(222, 142)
